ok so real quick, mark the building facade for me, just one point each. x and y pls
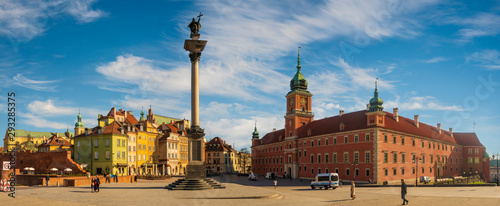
(367, 145)
(30, 140)
(221, 157)
(103, 149)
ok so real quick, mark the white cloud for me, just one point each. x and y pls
(40, 122)
(363, 77)
(22, 20)
(48, 108)
(83, 12)
(22, 81)
(488, 58)
(481, 24)
(239, 130)
(420, 103)
(42, 113)
(436, 60)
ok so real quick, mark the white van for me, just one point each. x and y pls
(326, 180)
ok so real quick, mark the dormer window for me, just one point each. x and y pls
(342, 126)
(309, 132)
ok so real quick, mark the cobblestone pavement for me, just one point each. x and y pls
(240, 191)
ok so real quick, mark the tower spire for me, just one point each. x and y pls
(376, 102)
(298, 59)
(255, 134)
(142, 115)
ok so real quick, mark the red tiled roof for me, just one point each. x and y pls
(54, 141)
(272, 137)
(172, 128)
(467, 139)
(111, 128)
(217, 144)
(407, 125)
(131, 120)
(358, 120)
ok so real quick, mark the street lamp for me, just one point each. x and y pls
(355, 163)
(417, 159)
(496, 174)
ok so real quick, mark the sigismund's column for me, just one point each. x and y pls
(196, 168)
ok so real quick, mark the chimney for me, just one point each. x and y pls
(274, 129)
(130, 113)
(125, 113)
(451, 131)
(367, 107)
(396, 114)
(439, 128)
(416, 120)
(114, 111)
(341, 112)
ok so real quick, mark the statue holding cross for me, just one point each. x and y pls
(195, 25)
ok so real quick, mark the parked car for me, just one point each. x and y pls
(270, 175)
(425, 179)
(326, 180)
(252, 176)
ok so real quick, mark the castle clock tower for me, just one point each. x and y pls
(298, 103)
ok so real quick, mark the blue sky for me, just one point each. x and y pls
(437, 59)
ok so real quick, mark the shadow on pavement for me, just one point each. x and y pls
(126, 188)
(340, 200)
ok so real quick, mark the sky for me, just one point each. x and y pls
(439, 59)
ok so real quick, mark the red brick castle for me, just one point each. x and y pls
(367, 145)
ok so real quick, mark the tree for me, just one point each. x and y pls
(244, 150)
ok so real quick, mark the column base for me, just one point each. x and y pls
(196, 171)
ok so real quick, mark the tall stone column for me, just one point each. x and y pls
(196, 168)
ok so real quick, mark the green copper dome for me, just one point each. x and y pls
(376, 102)
(79, 123)
(142, 115)
(298, 82)
(255, 133)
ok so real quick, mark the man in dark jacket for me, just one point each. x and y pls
(97, 184)
(403, 192)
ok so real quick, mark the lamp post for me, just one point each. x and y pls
(355, 163)
(417, 159)
(496, 174)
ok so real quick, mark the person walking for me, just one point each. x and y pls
(275, 183)
(340, 182)
(353, 190)
(403, 192)
(92, 185)
(47, 180)
(97, 184)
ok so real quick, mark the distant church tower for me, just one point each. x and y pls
(142, 116)
(298, 104)
(255, 133)
(375, 114)
(79, 126)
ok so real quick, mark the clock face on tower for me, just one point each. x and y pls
(303, 100)
(291, 101)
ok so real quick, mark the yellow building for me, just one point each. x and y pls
(103, 148)
(54, 143)
(30, 140)
(146, 146)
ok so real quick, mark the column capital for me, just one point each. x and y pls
(195, 132)
(195, 56)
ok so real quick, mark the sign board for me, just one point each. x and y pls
(6, 165)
